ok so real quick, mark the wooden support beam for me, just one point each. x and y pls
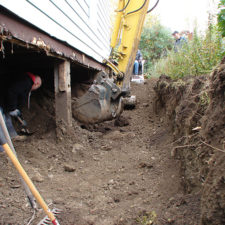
(63, 94)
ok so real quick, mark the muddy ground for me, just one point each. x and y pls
(122, 172)
(119, 174)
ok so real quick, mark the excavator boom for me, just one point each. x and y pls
(104, 99)
(126, 36)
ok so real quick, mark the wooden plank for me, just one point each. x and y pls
(63, 109)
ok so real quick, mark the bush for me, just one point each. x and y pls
(221, 17)
(197, 57)
(155, 41)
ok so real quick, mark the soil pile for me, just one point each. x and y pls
(195, 110)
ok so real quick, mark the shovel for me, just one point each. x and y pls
(27, 183)
(8, 139)
(24, 129)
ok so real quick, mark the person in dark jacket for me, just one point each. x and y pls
(138, 63)
(179, 41)
(17, 94)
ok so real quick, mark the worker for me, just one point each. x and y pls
(19, 92)
(179, 41)
(16, 95)
(138, 63)
(9, 125)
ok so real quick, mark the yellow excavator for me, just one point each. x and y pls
(105, 97)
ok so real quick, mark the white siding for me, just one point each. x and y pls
(83, 24)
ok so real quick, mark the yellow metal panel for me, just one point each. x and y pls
(117, 26)
(131, 24)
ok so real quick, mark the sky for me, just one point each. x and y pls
(184, 14)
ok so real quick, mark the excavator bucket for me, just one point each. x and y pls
(101, 102)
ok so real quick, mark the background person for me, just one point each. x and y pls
(138, 63)
(179, 41)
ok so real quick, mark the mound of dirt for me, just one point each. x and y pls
(194, 109)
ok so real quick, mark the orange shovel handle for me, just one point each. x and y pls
(28, 181)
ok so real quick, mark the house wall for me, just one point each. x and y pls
(83, 24)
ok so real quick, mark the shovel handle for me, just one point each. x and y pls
(23, 122)
(30, 184)
(8, 140)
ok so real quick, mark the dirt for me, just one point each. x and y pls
(135, 170)
(117, 172)
(195, 111)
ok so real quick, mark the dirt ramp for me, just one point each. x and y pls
(194, 108)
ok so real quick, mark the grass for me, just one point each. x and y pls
(204, 99)
(199, 56)
(147, 219)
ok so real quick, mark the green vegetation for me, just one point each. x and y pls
(204, 99)
(147, 219)
(198, 56)
(221, 17)
(155, 42)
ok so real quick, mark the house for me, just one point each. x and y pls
(64, 41)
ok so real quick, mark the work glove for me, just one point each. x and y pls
(15, 113)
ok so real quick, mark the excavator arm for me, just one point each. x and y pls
(126, 36)
(104, 99)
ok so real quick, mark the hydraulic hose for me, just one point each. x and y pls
(137, 9)
(153, 7)
(121, 10)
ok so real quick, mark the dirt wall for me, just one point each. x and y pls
(195, 110)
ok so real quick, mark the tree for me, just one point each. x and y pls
(221, 17)
(154, 43)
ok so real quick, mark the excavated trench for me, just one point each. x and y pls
(160, 163)
(195, 110)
